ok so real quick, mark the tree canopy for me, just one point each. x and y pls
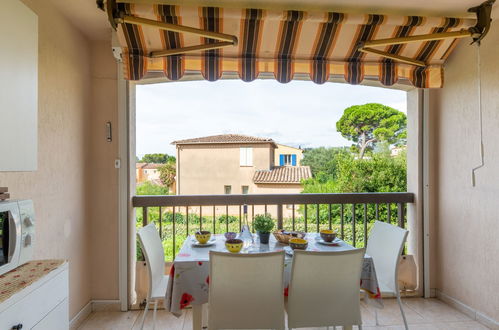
(167, 173)
(322, 161)
(371, 123)
(157, 158)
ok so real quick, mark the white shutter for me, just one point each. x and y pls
(249, 156)
(242, 156)
(246, 156)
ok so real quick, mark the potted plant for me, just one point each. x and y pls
(263, 224)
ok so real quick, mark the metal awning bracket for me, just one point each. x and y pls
(476, 32)
(116, 17)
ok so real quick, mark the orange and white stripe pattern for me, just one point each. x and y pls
(322, 46)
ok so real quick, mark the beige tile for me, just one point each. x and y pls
(110, 321)
(390, 314)
(421, 313)
(466, 325)
(164, 320)
(187, 325)
(434, 310)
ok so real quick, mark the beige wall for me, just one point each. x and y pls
(58, 188)
(465, 237)
(103, 188)
(205, 170)
(287, 150)
(75, 186)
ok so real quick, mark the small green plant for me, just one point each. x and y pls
(263, 223)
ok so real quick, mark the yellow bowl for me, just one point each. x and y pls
(202, 236)
(234, 245)
(298, 243)
(328, 235)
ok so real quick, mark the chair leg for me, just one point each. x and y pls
(402, 310)
(144, 315)
(376, 316)
(154, 315)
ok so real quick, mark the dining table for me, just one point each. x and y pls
(188, 284)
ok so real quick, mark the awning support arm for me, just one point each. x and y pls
(177, 28)
(189, 49)
(423, 37)
(393, 56)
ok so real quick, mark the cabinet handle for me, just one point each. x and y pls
(17, 327)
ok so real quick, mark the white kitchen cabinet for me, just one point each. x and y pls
(41, 305)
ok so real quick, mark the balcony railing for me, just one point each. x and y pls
(350, 214)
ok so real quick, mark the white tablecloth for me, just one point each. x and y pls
(189, 275)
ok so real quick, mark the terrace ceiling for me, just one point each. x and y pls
(93, 24)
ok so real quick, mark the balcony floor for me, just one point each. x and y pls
(421, 314)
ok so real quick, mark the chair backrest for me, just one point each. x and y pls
(385, 246)
(246, 291)
(324, 289)
(152, 248)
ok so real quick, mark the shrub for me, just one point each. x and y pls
(227, 218)
(263, 223)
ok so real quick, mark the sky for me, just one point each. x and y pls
(299, 113)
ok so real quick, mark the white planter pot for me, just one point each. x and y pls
(407, 273)
(141, 281)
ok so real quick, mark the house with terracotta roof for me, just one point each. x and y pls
(150, 172)
(238, 164)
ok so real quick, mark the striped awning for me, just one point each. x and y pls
(321, 46)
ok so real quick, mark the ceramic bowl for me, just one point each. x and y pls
(234, 245)
(298, 243)
(203, 236)
(328, 235)
(230, 235)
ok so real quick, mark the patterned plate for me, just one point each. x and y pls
(336, 241)
(211, 242)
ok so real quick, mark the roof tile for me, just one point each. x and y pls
(283, 174)
(225, 138)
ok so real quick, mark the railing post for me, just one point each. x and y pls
(160, 223)
(317, 216)
(279, 216)
(400, 214)
(144, 216)
(353, 225)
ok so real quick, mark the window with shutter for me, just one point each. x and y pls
(246, 156)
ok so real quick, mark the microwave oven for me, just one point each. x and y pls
(17, 233)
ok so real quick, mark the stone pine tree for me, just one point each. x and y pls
(371, 123)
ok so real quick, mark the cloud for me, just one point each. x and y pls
(297, 113)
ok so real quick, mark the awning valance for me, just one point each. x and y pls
(322, 46)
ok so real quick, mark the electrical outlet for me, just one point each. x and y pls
(117, 163)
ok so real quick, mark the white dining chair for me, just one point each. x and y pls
(324, 289)
(246, 291)
(152, 248)
(385, 246)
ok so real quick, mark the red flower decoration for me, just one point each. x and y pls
(185, 300)
(200, 263)
(286, 291)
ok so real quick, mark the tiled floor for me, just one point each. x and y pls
(420, 313)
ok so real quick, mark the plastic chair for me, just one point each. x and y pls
(246, 291)
(324, 289)
(385, 246)
(152, 248)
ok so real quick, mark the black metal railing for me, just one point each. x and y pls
(351, 214)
